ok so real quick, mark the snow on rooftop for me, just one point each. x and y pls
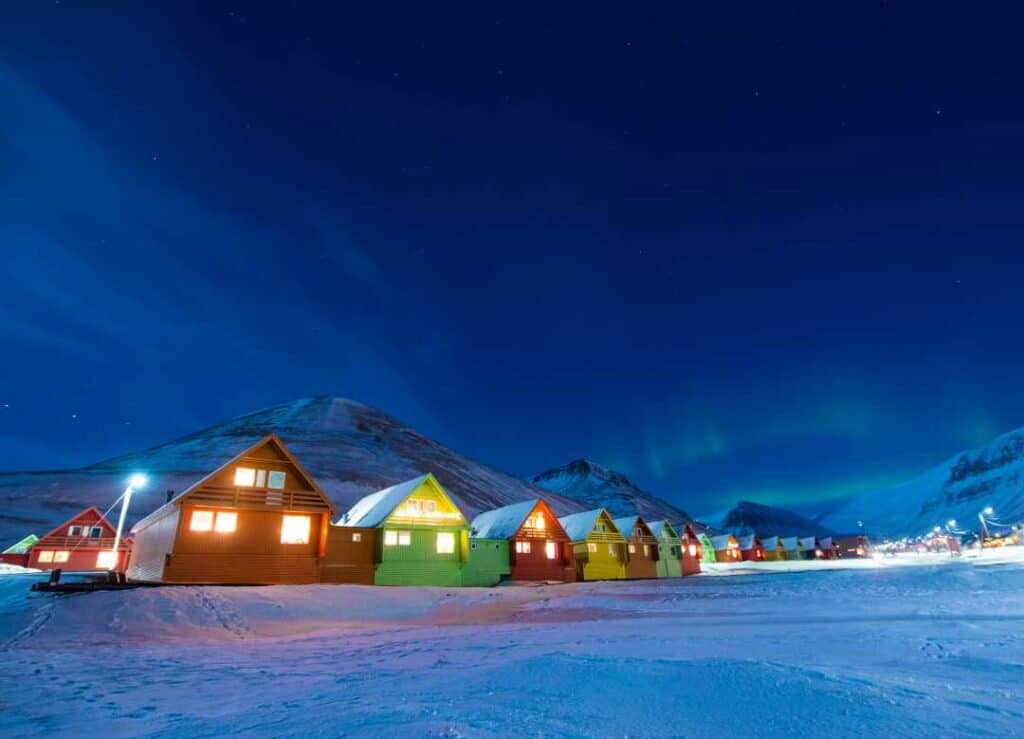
(658, 528)
(374, 508)
(502, 523)
(579, 525)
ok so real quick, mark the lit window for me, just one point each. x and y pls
(611, 550)
(632, 548)
(226, 523)
(275, 480)
(76, 531)
(418, 507)
(536, 521)
(106, 560)
(592, 547)
(357, 536)
(245, 477)
(295, 529)
(96, 532)
(404, 539)
(45, 555)
(261, 478)
(445, 542)
(647, 550)
(61, 556)
(693, 550)
(551, 550)
(201, 521)
(390, 538)
(522, 547)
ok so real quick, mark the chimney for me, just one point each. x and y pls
(170, 494)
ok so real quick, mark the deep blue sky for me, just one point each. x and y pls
(772, 254)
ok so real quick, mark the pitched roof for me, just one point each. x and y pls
(747, 542)
(22, 546)
(662, 527)
(504, 522)
(625, 525)
(579, 525)
(807, 542)
(100, 519)
(722, 542)
(825, 542)
(789, 543)
(772, 542)
(376, 507)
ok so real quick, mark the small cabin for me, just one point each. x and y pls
(791, 545)
(83, 543)
(258, 519)
(641, 548)
(751, 548)
(538, 547)
(825, 548)
(424, 537)
(853, 547)
(727, 548)
(807, 547)
(774, 550)
(17, 554)
(670, 549)
(599, 549)
(707, 548)
(691, 552)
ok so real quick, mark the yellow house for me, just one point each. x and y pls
(599, 549)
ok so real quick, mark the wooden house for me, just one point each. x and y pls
(487, 562)
(774, 550)
(83, 543)
(537, 545)
(807, 546)
(17, 554)
(691, 553)
(707, 548)
(751, 548)
(351, 554)
(257, 519)
(791, 545)
(826, 548)
(424, 537)
(853, 547)
(670, 549)
(727, 548)
(641, 548)
(599, 549)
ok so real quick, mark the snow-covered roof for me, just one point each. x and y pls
(825, 542)
(772, 542)
(504, 522)
(22, 546)
(790, 543)
(625, 525)
(579, 525)
(747, 542)
(722, 542)
(807, 542)
(375, 507)
(659, 528)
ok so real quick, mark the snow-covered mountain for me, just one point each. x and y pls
(349, 448)
(748, 518)
(959, 489)
(595, 486)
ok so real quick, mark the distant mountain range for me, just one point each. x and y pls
(959, 488)
(754, 518)
(595, 486)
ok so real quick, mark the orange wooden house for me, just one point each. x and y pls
(257, 519)
(539, 548)
(641, 547)
(690, 553)
(83, 543)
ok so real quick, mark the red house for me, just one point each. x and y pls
(690, 553)
(538, 547)
(751, 548)
(82, 543)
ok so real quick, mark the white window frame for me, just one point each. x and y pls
(592, 547)
(106, 559)
(98, 529)
(276, 476)
(76, 530)
(244, 474)
(448, 537)
(45, 555)
(225, 527)
(293, 539)
(522, 547)
(198, 521)
(357, 536)
(61, 556)
(390, 538)
(551, 550)
(261, 479)
(405, 538)
(632, 548)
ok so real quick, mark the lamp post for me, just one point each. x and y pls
(986, 511)
(135, 482)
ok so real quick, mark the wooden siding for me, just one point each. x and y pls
(82, 551)
(641, 564)
(241, 569)
(535, 565)
(150, 548)
(669, 555)
(689, 561)
(419, 563)
(487, 563)
(348, 560)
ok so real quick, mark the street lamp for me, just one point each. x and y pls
(986, 511)
(135, 482)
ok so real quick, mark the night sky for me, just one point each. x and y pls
(772, 253)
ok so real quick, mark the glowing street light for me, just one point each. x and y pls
(986, 511)
(952, 523)
(135, 482)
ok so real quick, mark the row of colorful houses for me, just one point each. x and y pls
(752, 548)
(262, 519)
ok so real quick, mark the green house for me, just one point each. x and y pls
(707, 548)
(424, 538)
(669, 549)
(488, 562)
(22, 546)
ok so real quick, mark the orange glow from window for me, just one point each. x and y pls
(295, 529)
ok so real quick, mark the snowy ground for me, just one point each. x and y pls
(931, 649)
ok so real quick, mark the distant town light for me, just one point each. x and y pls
(988, 511)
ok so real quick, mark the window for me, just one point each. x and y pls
(551, 550)
(693, 550)
(472, 545)
(201, 521)
(445, 542)
(647, 550)
(592, 547)
(522, 547)
(61, 556)
(245, 477)
(261, 478)
(275, 480)
(536, 521)
(295, 529)
(227, 522)
(390, 538)
(76, 531)
(404, 539)
(419, 507)
(96, 532)
(106, 560)
(357, 536)
(632, 548)
(600, 527)
(611, 550)
(45, 555)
